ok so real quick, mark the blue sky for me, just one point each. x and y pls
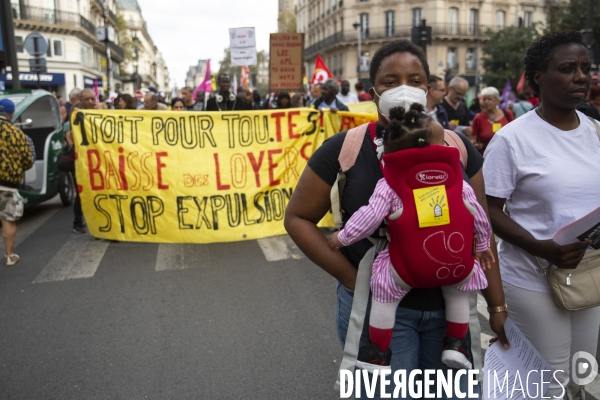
(188, 30)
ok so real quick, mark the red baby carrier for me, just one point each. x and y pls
(434, 246)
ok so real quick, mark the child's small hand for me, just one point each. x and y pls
(334, 243)
(485, 258)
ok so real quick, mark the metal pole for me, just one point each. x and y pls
(6, 15)
(477, 49)
(108, 60)
(359, 52)
(590, 25)
(37, 57)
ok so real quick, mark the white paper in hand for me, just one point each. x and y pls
(516, 373)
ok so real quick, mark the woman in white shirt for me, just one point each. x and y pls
(544, 168)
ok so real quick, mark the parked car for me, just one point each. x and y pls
(38, 115)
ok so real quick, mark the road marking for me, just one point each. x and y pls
(279, 248)
(78, 258)
(181, 256)
(30, 225)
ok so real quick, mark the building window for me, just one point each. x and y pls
(470, 61)
(500, 16)
(364, 25)
(49, 51)
(389, 23)
(362, 1)
(473, 21)
(528, 19)
(19, 44)
(86, 56)
(58, 48)
(417, 16)
(452, 62)
(453, 20)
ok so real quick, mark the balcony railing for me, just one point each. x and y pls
(51, 16)
(397, 32)
(116, 49)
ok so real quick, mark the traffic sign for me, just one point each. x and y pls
(139, 95)
(36, 44)
(38, 65)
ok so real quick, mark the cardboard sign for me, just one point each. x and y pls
(285, 61)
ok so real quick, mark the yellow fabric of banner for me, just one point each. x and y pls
(195, 177)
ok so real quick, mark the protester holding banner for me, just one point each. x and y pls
(283, 100)
(151, 103)
(420, 320)
(178, 104)
(189, 102)
(125, 101)
(225, 100)
(315, 94)
(345, 95)
(328, 99)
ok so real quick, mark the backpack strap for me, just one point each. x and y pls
(454, 140)
(348, 154)
(596, 125)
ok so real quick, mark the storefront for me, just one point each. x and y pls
(51, 82)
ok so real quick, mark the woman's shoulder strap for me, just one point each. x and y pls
(596, 125)
(351, 146)
(454, 140)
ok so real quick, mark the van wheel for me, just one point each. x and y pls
(66, 188)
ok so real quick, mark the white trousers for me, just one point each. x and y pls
(556, 333)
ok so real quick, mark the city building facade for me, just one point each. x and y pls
(332, 29)
(196, 74)
(146, 68)
(75, 57)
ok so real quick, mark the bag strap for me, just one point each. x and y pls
(348, 154)
(454, 140)
(596, 125)
(359, 309)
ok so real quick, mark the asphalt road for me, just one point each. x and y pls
(93, 319)
(214, 321)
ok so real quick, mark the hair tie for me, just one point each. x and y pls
(421, 140)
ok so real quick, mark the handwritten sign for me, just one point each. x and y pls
(242, 45)
(195, 177)
(285, 62)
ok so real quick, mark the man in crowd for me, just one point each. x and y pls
(345, 95)
(187, 94)
(328, 99)
(151, 103)
(435, 97)
(315, 94)
(88, 102)
(458, 113)
(15, 157)
(74, 97)
(360, 91)
(224, 100)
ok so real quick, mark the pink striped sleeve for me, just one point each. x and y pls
(367, 219)
(482, 224)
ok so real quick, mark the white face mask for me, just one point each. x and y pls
(401, 96)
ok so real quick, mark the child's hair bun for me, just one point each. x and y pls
(397, 113)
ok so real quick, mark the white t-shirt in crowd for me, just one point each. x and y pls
(347, 99)
(549, 177)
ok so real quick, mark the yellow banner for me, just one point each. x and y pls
(187, 177)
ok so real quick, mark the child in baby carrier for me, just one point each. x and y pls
(429, 211)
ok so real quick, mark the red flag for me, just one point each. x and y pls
(521, 84)
(321, 72)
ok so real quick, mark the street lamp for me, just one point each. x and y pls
(358, 27)
(136, 44)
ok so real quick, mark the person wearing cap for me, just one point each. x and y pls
(15, 157)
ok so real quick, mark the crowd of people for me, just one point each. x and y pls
(539, 159)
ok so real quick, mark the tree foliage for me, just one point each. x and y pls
(286, 21)
(503, 54)
(572, 15)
